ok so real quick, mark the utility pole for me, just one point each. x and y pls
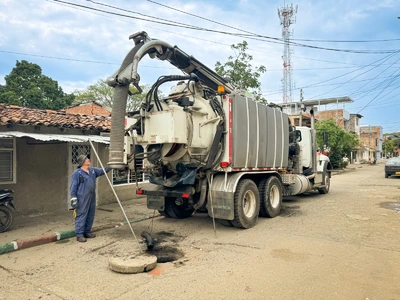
(369, 141)
(287, 16)
(301, 108)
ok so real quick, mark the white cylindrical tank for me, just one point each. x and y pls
(302, 185)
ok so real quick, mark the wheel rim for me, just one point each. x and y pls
(274, 196)
(249, 204)
(3, 219)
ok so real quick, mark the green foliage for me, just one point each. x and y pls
(389, 146)
(340, 142)
(102, 93)
(240, 72)
(27, 86)
(392, 142)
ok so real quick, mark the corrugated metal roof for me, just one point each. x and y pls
(57, 137)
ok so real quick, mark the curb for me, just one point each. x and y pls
(57, 236)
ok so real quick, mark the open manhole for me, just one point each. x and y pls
(164, 247)
(166, 254)
(391, 205)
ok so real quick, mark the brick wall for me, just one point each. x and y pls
(370, 137)
(336, 115)
(88, 109)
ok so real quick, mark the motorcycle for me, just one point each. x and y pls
(6, 214)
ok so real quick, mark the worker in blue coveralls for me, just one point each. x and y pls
(83, 196)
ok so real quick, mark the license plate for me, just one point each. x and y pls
(397, 173)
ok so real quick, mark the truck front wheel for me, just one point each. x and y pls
(270, 197)
(247, 204)
(325, 189)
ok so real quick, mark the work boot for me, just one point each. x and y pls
(81, 239)
(89, 235)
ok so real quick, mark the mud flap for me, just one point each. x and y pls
(222, 204)
(156, 202)
(223, 191)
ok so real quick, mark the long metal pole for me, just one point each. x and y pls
(116, 196)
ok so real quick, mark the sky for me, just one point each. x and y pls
(78, 46)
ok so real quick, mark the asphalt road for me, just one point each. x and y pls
(344, 245)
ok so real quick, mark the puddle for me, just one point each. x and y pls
(290, 211)
(391, 205)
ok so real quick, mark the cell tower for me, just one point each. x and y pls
(287, 15)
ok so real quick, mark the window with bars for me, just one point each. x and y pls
(130, 176)
(79, 150)
(7, 160)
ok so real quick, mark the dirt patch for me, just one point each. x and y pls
(391, 205)
(290, 211)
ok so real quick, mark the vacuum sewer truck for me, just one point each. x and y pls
(208, 146)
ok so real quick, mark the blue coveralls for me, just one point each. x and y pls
(83, 187)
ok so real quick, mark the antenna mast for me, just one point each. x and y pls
(287, 15)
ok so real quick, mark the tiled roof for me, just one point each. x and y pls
(28, 116)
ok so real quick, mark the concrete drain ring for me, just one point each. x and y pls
(133, 264)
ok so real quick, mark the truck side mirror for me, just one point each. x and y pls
(325, 136)
(298, 136)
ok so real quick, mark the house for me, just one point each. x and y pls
(341, 117)
(371, 138)
(38, 153)
(355, 123)
(88, 109)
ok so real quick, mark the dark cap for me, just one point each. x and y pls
(81, 159)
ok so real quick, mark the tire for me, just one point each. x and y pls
(246, 204)
(387, 175)
(325, 189)
(6, 218)
(226, 223)
(175, 211)
(270, 197)
(164, 213)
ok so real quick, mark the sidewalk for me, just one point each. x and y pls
(25, 227)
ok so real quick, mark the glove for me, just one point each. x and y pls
(74, 202)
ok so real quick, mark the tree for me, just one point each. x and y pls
(389, 146)
(102, 93)
(340, 142)
(27, 86)
(240, 72)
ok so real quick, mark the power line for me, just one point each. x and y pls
(375, 76)
(251, 36)
(333, 78)
(373, 99)
(239, 29)
(358, 75)
(201, 39)
(78, 60)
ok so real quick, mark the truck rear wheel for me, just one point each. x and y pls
(247, 204)
(270, 197)
(164, 213)
(177, 211)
